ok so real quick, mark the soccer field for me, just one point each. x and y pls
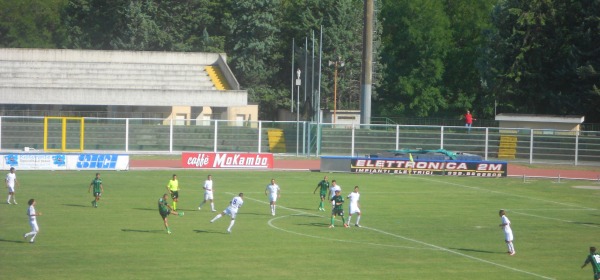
(414, 227)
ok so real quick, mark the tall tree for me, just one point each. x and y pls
(252, 42)
(31, 23)
(542, 59)
(416, 38)
(142, 25)
(342, 40)
(469, 20)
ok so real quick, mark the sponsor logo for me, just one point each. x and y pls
(453, 168)
(97, 161)
(227, 160)
(59, 160)
(12, 160)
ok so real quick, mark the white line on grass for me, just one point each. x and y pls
(411, 240)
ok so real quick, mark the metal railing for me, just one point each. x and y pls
(146, 135)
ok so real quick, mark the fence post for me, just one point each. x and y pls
(171, 136)
(576, 147)
(441, 137)
(127, 135)
(304, 138)
(530, 146)
(397, 137)
(486, 142)
(352, 148)
(0, 133)
(318, 151)
(259, 136)
(215, 137)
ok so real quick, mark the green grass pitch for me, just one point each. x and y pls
(414, 227)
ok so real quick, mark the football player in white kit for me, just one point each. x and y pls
(32, 221)
(274, 192)
(11, 182)
(231, 210)
(354, 207)
(508, 235)
(208, 194)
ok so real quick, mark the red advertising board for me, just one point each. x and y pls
(227, 160)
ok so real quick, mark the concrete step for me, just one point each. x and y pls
(107, 76)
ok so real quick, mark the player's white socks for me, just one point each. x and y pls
(230, 225)
(34, 233)
(511, 247)
(212, 206)
(8, 199)
(349, 218)
(357, 220)
(216, 217)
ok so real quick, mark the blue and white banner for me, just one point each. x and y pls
(37, 161)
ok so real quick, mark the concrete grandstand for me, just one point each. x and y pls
(186, 87)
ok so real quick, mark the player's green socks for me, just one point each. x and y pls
(343, 220)
(332, 220)
(321, 204)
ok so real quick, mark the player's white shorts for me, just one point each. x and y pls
(352, 210)
(208, 195)
(11, 189)
(231, 212)
(273, 197)
(508, 235)
(34, 226)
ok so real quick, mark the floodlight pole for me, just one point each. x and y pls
(335, 64)
(298, 83)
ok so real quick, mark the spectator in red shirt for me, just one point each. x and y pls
(469, 121)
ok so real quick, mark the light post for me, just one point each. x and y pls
(298, 83)
(336, 63)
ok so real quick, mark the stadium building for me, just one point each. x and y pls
(189, 88)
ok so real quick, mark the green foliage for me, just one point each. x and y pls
(543, 58)
(410, 225)
(416, 41)
(141, 25)
(31, 23)
(435, 58)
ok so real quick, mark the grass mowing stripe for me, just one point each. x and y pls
(508, 194)
(555, 219)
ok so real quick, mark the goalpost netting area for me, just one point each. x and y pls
(63, 134)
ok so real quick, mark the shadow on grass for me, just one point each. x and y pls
(476, 251)
(77, 205)
(146, 209)
(316, 224)
(253, 213)
(143, 230)
(13, 241)
(297, 208)
(210, 231)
